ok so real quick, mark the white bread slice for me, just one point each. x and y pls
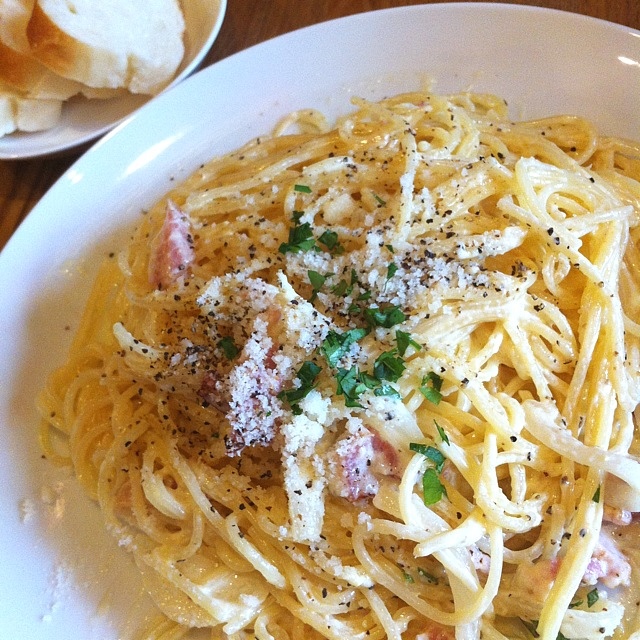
(21, 71)
(18, 113)
(135, 44)
(26, 75)
(15, 16)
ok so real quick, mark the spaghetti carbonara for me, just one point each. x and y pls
(375, 380)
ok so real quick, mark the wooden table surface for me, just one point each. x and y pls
(247, 22)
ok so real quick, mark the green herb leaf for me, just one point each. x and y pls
(388, 366)
(350, 386)
(433, 454)
(228, 347)
(386, 390)
(300, 239)
(592, 597)
(596, 495)
(342, 289)
(386, 317)
(379, 200)
(404, 341)
(441, 431)
(307, 375)
(369, 381)
(301, 188)
(330, 240)
(391, 270)
(317, 281)
(408, 578)
(430, 578)
(336, 345)
(432, 488)
(430, 387)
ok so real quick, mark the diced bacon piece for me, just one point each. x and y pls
(356, 460)
(212, 390)
(350, 463)
(436, 632)
(614, 515)
(172, 249)
(607, 565)
(386, 459)
(534, 581)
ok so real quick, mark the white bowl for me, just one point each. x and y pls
(85, 120)
(62, 574)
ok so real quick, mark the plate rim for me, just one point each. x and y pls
(40, 212)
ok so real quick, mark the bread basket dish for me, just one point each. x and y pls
(69, 72)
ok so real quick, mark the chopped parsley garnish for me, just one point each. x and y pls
(391, 270)
(336, 345)
(379, 200)
(596, 495)
(307, 375)
(330, 240)
(388, 366)
(351, 385)
(342, 289)
(386, 390)
(300, 239)
(404, 341)
(301, 236)
(433, 454)
(443, 436)
(228, 347)
(428, 577)
(408, 578)
(386, 317)
(432, 488)
(301, 188)
(430, 387)
(317, 281)
(592, 597)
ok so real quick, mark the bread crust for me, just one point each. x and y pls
(15, 68)
(56, 49)
(107, 62)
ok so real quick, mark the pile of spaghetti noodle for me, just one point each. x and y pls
(375, 380)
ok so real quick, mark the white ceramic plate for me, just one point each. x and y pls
(61, 575)
(85, 120)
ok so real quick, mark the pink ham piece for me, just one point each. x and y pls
(356, 460)
(436, 632)
(172, 249)
(607, 565)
